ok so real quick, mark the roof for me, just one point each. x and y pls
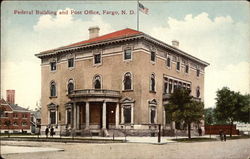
(112, 37)
(14, 107)
(2, 101)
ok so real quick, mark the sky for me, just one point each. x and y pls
(216, 32)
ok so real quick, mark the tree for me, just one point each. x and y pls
(184, 109)
(231, 106)
(209, 116)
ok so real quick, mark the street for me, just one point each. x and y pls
(231, 149)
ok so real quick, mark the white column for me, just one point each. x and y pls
(104, 115)
(164, 117)
(117, 115)
(74, 105)
(132, 113)
(122, 116)
(87, 115)
(56, 115)
(77, 117)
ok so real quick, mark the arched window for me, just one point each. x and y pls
(152, 83)
(127, 81)
(198, 92)
(70, 86)
(52, 89)
(97, 82)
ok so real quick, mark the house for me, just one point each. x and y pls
(115, 83)
(14, 118)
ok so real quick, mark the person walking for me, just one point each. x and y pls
(221, 135)
(47, 132)
(51, 131)
(225, 137)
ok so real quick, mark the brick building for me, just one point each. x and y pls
(115, 83)
(14, 118)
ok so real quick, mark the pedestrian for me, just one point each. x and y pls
(200, 131)
(225, 137)
(221, 134)
(51, 131)
(47, 132)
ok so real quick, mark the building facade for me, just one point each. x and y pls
(115, 83)
(14, 119)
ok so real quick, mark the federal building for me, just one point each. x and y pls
(115, 84)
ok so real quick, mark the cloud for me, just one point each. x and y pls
(59, 30)
(220, 41)
(23, 73)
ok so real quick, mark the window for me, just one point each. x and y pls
(152, 111)
(68, 116)
(198, 92)
(170, 86)
(97, 58)
(152, 116)
(53, 66)
(178, 67)
(168, 62)
(15, 123)
(52, 117)
(127, 81)
(71, 62)
(15, 115)
(52, 89)
(24, 123)
(153, 56)
(127, 114)
(70, 86)
(186, 69)
(7, 123)
(24, 115)
(6, 114)
(198, 73)
(127, 54)
(97, 82)
(152, 83)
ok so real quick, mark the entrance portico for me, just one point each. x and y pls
(94, 109)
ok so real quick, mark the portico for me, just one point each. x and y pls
(94, 109)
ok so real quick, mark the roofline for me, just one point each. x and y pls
(136, 36)
(91, 44)
(150, 38)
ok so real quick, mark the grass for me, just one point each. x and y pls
(238, 137)
(195, 139)
(56, 139)
(209, 139)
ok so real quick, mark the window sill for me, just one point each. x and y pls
(127, 60)
(71, 68)
(97, 64)
(130, 90)
(152, 91)
(52, 97)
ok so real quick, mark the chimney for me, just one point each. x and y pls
(10, 95)
(93, 32)
(175, 43)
